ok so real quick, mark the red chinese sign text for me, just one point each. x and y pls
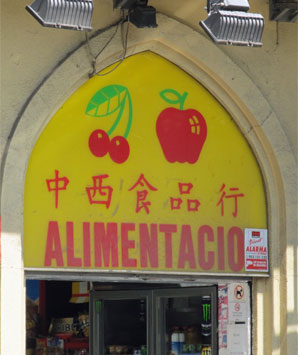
(57, 184)
(142, 194)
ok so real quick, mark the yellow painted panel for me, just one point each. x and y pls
(141, 169)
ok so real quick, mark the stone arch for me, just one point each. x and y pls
(232, 88)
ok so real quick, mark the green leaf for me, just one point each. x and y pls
(106, 101)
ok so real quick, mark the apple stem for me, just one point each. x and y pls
(167, 96)
(182, 100)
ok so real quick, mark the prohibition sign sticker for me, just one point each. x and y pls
(239, 292)
(237, 307)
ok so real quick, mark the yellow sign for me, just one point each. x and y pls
(141, 169)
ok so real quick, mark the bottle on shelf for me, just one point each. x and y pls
(175, 345)
(181, 339)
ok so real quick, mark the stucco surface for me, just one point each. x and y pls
(257, 86)
(29, 52)
(273, 68)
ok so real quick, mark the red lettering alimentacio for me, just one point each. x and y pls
(142, 246)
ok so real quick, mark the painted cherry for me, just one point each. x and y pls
(107, 101)
(119, 149)
(99, 143)
(181, 133)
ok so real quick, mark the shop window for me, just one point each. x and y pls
(57, 319)
(175, 321)
(130, 319)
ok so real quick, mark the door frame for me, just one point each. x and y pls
(97, 322)
(184, 292)
(155, 312)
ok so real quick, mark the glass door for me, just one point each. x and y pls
(122, 322)
(186, 321)
(177, 321)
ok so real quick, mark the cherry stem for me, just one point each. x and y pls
(115, 124)
(129, 122)
(178, 98)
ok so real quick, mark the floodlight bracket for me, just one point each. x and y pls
(229, 5)
(140, 14)
(143, 16)
(128, 4)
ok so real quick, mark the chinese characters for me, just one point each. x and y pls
(176, 202)
(101, 193)
(57, 184)
(233, 195)
(142, 194)
(98, 193)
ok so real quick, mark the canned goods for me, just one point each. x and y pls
(206, 305)
(143, 350)
(206, 350)
(206, 329)
(206, 334)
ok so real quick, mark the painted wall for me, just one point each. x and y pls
(29, 52)
(259, 85)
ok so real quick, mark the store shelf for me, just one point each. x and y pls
(76, 343)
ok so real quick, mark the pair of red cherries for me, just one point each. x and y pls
(100, 145)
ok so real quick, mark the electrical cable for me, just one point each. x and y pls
(124, 45)
(100, 32)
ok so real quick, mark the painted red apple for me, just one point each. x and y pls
(181, 133)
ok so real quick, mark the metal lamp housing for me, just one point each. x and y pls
(68, 14)
(235, 28)
(140, 14)
(283, 10)
(228, 22)
(128, 4)
(143, 16)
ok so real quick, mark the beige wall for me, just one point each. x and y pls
(257, 85)
(29, 52)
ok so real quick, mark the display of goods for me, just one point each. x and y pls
(193, 349)
(119, 349)
(192, 336)
(81, 326)
(206, 350)
(80, 352)
(175, 345)
(181, 337)
(32, 319)
(55, 346)
(61, 326)
(41, 346)
(206, 308)
(206, 329)
(206, 334)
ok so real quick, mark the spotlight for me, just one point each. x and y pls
(140, 14)
(281, 10)
(229, 23)
(69, 14)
